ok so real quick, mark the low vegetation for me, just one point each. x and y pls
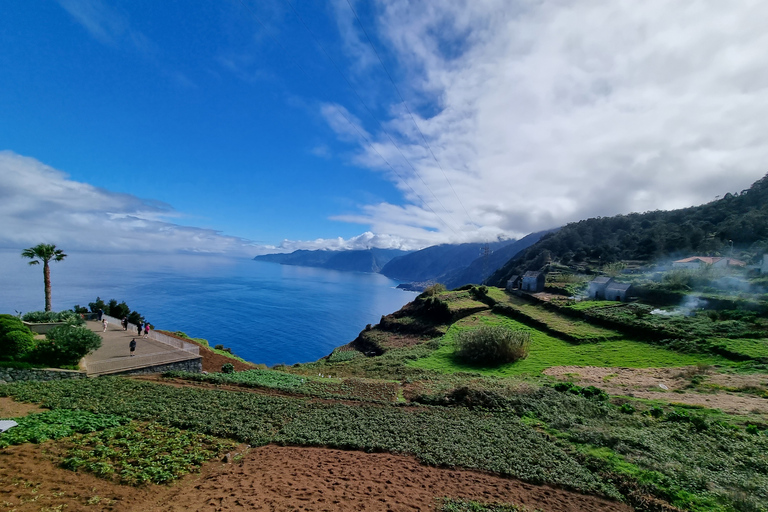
(139, 453)
(571, 437)
(457, 379)
(492, 346)
(63, 345)
(66, 316)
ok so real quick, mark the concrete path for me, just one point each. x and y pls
(114, 355)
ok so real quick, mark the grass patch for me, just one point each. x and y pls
(566, 327)
(751, 348)
(452, 505)
(546, 351)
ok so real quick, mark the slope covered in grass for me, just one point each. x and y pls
(547, 351)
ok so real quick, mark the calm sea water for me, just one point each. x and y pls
(267, 313)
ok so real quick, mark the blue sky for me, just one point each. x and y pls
(221, 126)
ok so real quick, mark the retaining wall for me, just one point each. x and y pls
(8, 375)
(190, 365)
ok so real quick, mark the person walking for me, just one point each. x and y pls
(104, 323)
(101, 314)
(146, 330)
(125, 323)
(132, 346)
(139, 328)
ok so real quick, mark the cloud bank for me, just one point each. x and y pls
(39, 204)
(541, 113)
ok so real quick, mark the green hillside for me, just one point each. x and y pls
(657, 422)
(709, 229)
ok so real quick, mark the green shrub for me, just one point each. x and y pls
(492, 345)
(16, 344)
(590, 392)
(10, 323)
(433, 290)
(16, 340)
(627, 408)
(227, 368)
(66, 344)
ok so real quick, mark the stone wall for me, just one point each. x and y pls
(8, 375)
(190, 365)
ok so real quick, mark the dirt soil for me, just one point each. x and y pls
(11, 409)
(647, 383)
(275, 478)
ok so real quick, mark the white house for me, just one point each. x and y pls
(533, 282)
(597, 287)
(617, 291)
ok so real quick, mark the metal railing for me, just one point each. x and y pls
(191, 348)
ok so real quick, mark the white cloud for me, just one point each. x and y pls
(106, 24)
(39, 204)
(550, 112)
(363, 241)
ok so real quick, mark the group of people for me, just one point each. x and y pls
(142, 327)
(145, 327)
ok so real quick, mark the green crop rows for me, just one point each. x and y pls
(40, 427)
(695, 460)
(354, 389)
(450, 437)
(137, 454)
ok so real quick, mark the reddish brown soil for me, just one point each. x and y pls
(212, 362)
(276, 478)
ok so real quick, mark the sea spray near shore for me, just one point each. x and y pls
(266, 313)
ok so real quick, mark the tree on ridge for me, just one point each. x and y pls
(44, 253)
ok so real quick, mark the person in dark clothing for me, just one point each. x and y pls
(125, 323)
(132, 346)
(101, 314)
(139, 328)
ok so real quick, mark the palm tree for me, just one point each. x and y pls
(44, 253)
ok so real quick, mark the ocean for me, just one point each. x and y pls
(265, 312)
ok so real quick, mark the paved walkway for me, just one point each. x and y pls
(114, 355)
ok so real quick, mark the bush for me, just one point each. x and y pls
(433, 290)
(10, 323)
(492, 345)
(627, 408)
(17, 344)
(66, 345)
(227, 368)
(589, 392)
(16, 340)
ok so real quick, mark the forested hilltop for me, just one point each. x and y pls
(707, 230)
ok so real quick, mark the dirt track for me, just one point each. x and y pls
(647, 382)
